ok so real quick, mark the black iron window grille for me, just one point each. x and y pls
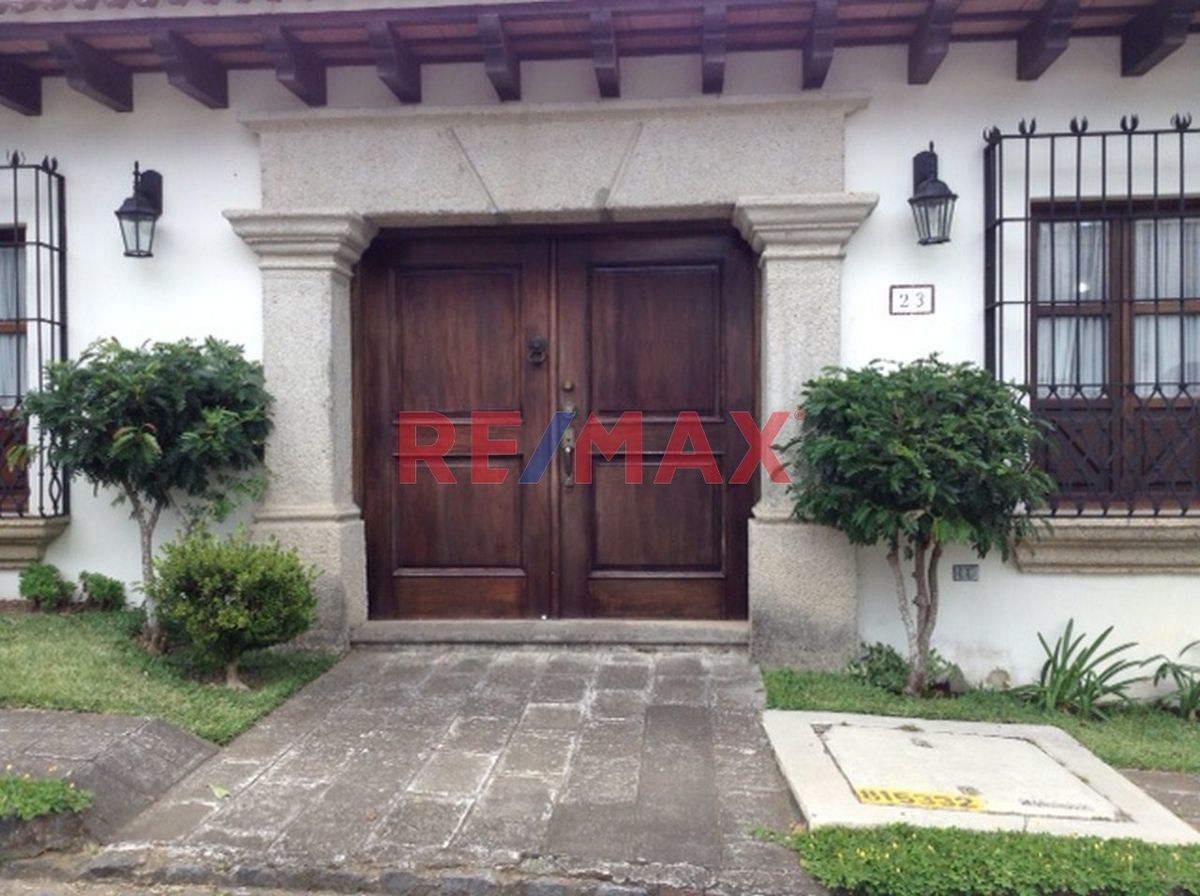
(1092, 303)
(33, 327)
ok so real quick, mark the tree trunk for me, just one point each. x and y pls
(925, 570)
(147, 520)
(918, 659)
(906, 614)
(232, 680)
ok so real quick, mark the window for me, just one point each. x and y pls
(32, 326)
(1092, 304)
(1116, 352)
(14, 482)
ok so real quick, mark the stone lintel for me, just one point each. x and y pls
(320, 239)
(23, 540)
(816, 225)
(1114, 545)
(844, 104)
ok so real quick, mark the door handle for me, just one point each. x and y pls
(566, 447)
(535, 351)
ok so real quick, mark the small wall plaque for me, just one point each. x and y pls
(910, 298)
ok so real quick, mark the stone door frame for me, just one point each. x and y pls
(773, 167)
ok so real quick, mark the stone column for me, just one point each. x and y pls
(803, 578)
(306, 260)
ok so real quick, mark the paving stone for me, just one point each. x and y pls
(453, 773)
(684, 691)
(512, 814)
(334, 828)
(169, 821)
(416, 821)
(677, 817)
(561, 688)
(592, 831)
(544, 754)
(618, 705)
(623, 677)
(480, 734)
(574, 663)
(553, 715)
(687, 665)
(748, 764)
(603, 780)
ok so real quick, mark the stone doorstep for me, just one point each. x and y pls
(145, 866)
(648, 634)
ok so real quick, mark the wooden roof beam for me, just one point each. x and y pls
(296, 66)
(192, 70)
(20, 88)
(931, 41)
(604, 54)
(397, 66)
(502, 66)
(93, 74)
(1155, 34)
(818, 45)
(713, 41)
(1044, 39)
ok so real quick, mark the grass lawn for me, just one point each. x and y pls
(1139, 737)
(88, 662)
(907, 861)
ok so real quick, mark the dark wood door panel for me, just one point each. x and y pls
(454, 320)
(655, 334)
(658, 327)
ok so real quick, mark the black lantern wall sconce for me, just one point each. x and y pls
(140, 212)
(932, 201)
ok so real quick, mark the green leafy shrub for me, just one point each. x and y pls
(1185, 698)
(28, 798)
(103, 592)
(880, 665)
(43, 584)
(917, 456)
(899, 860)
(166, 424)
(1078, 678)
(228, 596)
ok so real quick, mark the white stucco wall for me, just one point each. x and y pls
(204, 281)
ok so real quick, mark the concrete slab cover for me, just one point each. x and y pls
(860, 770)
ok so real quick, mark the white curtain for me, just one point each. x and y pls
(1072, 356)
(1166, 354)
(1072, 262)
(1176, 263)
(12, 308)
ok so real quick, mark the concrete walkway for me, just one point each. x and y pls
(472, 771)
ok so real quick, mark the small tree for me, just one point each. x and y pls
(160, 423)
(917, 456)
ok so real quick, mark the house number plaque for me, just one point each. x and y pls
(911, 299)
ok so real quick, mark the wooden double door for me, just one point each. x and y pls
(526, 326)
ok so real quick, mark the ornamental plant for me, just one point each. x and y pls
(167, 424)
(228, 596)
(102, 592)
(917, 456)
(43, 584)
